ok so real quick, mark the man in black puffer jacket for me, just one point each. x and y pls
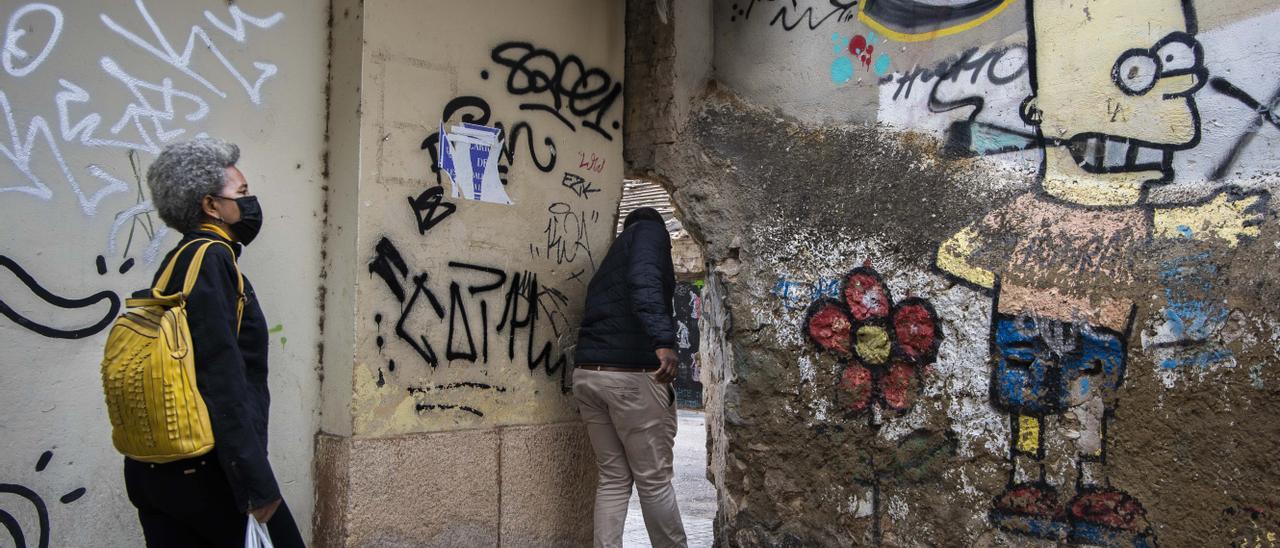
(626, 361)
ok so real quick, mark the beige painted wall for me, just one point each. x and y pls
(530, 260)
(428, 441)
(77, 95)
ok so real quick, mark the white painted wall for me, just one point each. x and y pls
(82, 87)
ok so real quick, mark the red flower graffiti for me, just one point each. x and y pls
(883, 346)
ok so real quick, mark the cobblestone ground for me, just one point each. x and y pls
(696, 495)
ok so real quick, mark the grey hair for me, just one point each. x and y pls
(184, 174)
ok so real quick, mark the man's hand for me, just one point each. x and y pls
(263, 513)
(667, 371)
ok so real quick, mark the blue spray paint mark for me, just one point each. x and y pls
(828, 287)
(984, 139)
(882, 64)
(1201, 359)
(1192, 312)
(1185, 231)
(792, 294)
(841, 70)
(797, 295)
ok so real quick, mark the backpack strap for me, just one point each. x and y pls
(193, 272)
(163, 281)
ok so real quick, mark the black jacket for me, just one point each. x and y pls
(628, 312)
(231, 370)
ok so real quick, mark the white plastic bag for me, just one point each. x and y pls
(256, 535)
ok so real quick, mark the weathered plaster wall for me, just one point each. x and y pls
(506, 278)
(454, 424)
(89, 93)
(867, 174)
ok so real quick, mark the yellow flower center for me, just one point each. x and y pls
(873, 344)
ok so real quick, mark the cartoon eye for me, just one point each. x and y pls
(1177, 55)
(1135, 71)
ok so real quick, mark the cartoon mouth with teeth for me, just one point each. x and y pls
(1106, 141)
(1170, 71)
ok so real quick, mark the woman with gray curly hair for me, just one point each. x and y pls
(198, 190)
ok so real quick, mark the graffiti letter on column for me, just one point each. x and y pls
(501, 278)
(386, 264)
(13, 32)
(524, 288)
(425, 206)
(578, 185)
(390, 266)
(61, 302)
(567, 233)
(595, 163)
(456, 304)
(421, 346)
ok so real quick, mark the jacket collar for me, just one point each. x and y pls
(212, 232)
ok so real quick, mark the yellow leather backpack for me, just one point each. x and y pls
(149, 376)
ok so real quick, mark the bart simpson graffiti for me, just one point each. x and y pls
(1111, 104)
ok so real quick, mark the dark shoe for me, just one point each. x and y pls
(1030, 509)
(1106, 517)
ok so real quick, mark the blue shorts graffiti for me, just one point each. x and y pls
(1043, 367)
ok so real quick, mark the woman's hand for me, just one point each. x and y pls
(263, 513)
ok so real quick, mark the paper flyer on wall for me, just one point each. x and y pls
(469, 156)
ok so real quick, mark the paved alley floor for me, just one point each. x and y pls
(696, 495)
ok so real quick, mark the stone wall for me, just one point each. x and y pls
(981, 274)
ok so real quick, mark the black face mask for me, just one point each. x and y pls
(246, 229)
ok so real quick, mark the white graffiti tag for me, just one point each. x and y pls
(158, 112)
(165, 51)
(13, 32)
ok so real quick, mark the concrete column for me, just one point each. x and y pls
(450, 320)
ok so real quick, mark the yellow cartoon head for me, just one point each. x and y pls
(1113, 83)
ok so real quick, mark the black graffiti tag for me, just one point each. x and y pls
(47, 296)
(567, 233)
(578, 185)
(14, 527)
(554, 85)
(525, 301)
(791, 16)
(1268, 112)
(429, 208)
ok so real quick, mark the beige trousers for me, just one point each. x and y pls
(631, 420)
